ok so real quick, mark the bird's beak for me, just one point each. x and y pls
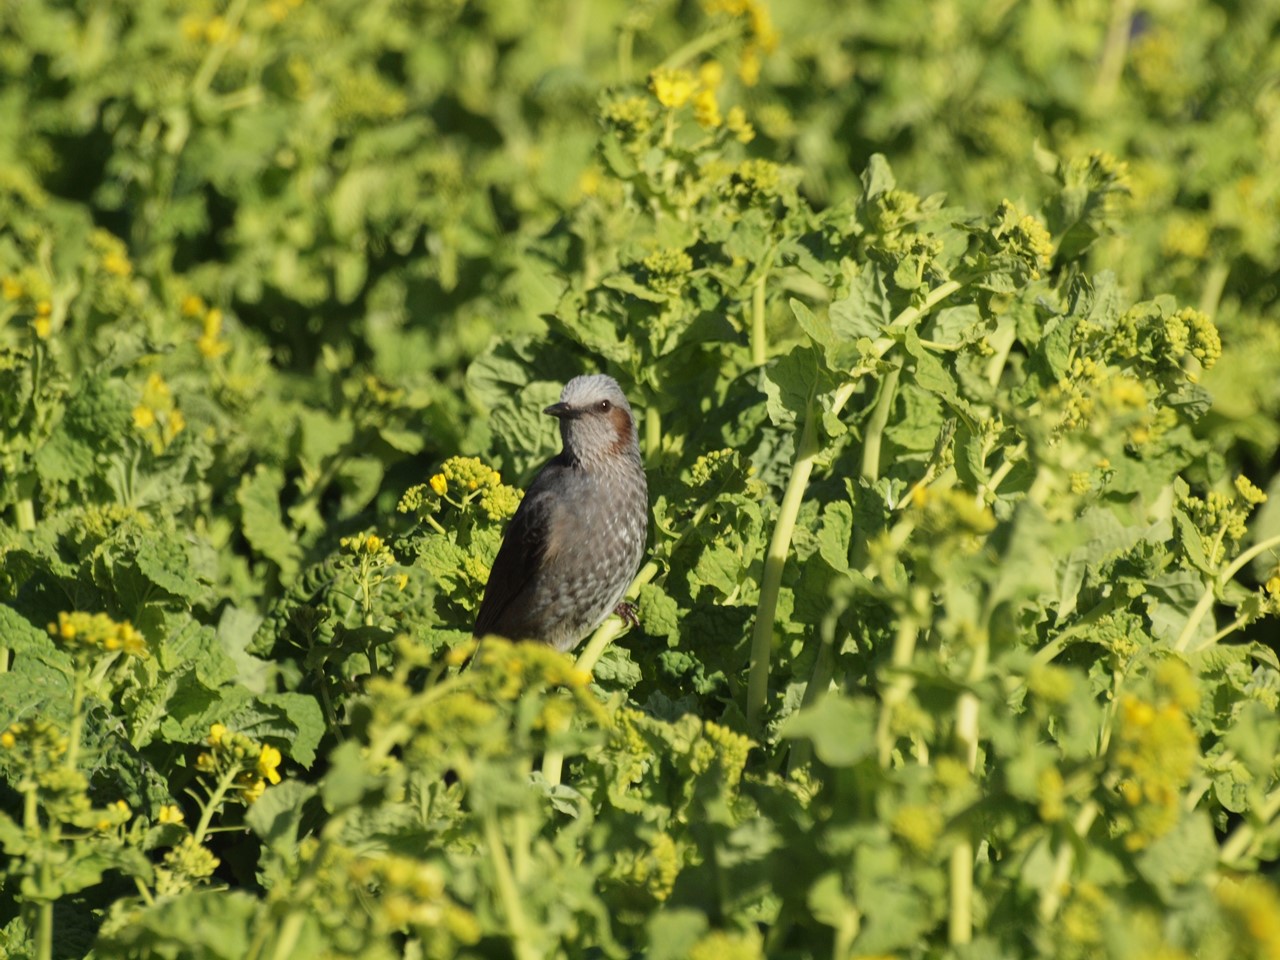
(560, 410)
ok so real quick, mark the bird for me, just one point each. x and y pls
(576, 540)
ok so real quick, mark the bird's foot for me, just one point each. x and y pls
(628, 613)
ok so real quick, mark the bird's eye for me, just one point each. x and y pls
(604, 406)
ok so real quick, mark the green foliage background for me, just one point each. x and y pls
(951, 327)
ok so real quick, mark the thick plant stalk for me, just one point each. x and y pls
(759, 340)
(875, 427)
(807, 451)
(960, 922)
(508, 893)
(774, 561)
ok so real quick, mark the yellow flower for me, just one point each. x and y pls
(210, 343)
(177, 423)
(12, 288)
(268, 762)
(252, 792)
(42, 326)
(673, 88)
(170, 813)
(439, 484)
(402, 581)
(710, 74)
(215, 29)
(739, 126)
(192, 305)
(705, 109)
(216, 733)
(7, 740)
(117, 264)
(143, 417)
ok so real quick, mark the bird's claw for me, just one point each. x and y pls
(628, 613)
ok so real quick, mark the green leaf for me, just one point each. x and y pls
(1185, 856)
(196, 925)
(841, 730)
(672, 933)
(261, 523)
(789, 383)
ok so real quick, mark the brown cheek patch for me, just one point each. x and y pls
(622, 427)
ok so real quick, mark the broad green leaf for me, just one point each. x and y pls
(840, 729)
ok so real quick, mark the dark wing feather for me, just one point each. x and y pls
(524, 546)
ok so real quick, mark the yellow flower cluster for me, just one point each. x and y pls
(1222, 517)
(1155, 752)
(461, 482)
(760, 35)
(723, 471)
(754, 183)
(668, 270)
(953, 514)
(630, 117)
(677, 87)
(207, 30)
(411, 893)
(210, 342)
(918, 825)
(156, 415)
(1024, 238)
(80, 632)
(367, 546)
(40, 739)
(34, 292)
(250, 764)
(653, 869)
(1254, 904)
(113, 255)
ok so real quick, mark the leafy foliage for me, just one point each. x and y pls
(951, 360)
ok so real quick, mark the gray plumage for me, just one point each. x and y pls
(576, 541)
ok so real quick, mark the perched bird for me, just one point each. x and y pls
(575, 542)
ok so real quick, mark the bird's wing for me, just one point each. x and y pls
(529, 540)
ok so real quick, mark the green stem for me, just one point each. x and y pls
(904, 649)
(1214, 283)
(520, 933)
(1002, 342)
(626, 43)
(1242, 840)
(77, 718)
(775, 560)
(290, 932)
(210, 808)
(759, 340)
(875, 426)
(1205, 603)
(24, 514)
(780, 544)
(1111, 63)
(1051, 896)
(218, 51)
(44, 927)
(698, 45)
(961, 915)
(652, 431)
(960, 918)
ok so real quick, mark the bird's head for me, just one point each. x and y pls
(595, 420)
